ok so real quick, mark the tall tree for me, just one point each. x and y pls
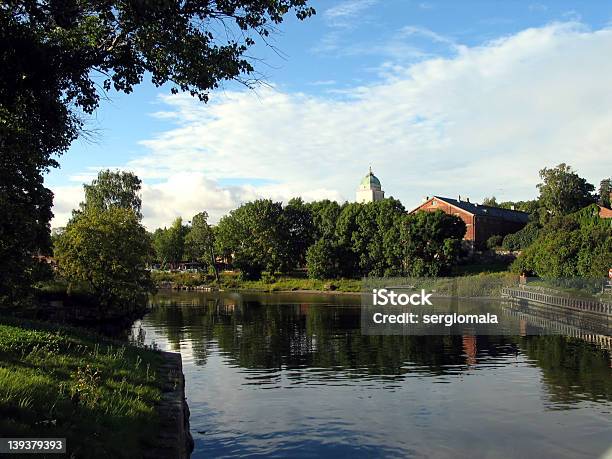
(169, 243)
(492, 201)
(51, 57)
(255, 236)
(113, 189)
(562, 191)
(108, 250)
(605, 192)
(299, 229)
(200, 240)
(433, 243)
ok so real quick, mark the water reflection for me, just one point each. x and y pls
(291, 375)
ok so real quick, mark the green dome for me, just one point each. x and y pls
(370, 181)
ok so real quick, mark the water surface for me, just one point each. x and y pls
(290, 375)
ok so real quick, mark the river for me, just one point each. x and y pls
(291, 375)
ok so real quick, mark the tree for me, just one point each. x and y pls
(492, 202)
(370, 235)
(325, 215)
(299, 229)
(51, 57)
(562, 191)
(200, 240)
(255, 237)
(605, 191)
(113, 189)
(523, 238)
(322, 261)
(108, 251)
(576, 245)
(432, 243)
(169, 244)
(494, 241)
(531, 207)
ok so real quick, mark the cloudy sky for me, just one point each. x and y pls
(439, 98)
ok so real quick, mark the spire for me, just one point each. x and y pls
(371, 170)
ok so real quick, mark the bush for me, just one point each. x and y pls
(108, 250)
(577, 245)
(321, 260)
(522, 238)
(494, 241)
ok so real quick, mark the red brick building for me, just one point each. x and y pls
(482, 222)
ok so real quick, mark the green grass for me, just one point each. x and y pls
(63, 382)
(296, 284)
(182, 278)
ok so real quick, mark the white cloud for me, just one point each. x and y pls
(347, 10)
(65, 199)
(482, 122)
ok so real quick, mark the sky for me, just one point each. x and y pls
(443, 98)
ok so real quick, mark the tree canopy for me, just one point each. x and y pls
(59, 59)
(113, 189)
(563, 191)
(108, 250)
(575, 245)
(432, 243)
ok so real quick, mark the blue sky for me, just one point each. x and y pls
(396, 84)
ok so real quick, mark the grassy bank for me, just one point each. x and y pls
(231, 281)
(69, 383)
(475, 285)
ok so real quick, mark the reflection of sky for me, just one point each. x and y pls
(501, 407)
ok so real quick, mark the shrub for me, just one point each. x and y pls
(494, 241)
(522, 238)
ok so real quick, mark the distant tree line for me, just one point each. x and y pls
(105, 247)
(329, 239)
(565, 236)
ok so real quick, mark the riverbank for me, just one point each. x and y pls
(475, 285)
(231, 281)
(102, 396)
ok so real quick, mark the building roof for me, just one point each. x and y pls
(370, 181)
(604, 212)
(487, 211)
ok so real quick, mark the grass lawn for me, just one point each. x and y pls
(63, 382)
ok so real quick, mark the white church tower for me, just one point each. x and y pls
(369, 189)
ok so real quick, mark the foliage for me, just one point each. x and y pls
(562, 191)
(293, 284)
(492, 202)
(199, 241)
(297, 220)
(369, 237)
(113, 189)
(530, 207)
(325, 214)
(108, 250)
(576, 245)
(64, 383)
(169, 244)
(254, 235)
(605, 190)
(322, 260)
(494, 241)
(432, 242)
(522, 238)
(52, 55)
(182, 279)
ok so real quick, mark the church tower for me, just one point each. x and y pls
(369, 189)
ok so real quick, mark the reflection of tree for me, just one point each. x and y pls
(291, 336)
(571, 368)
